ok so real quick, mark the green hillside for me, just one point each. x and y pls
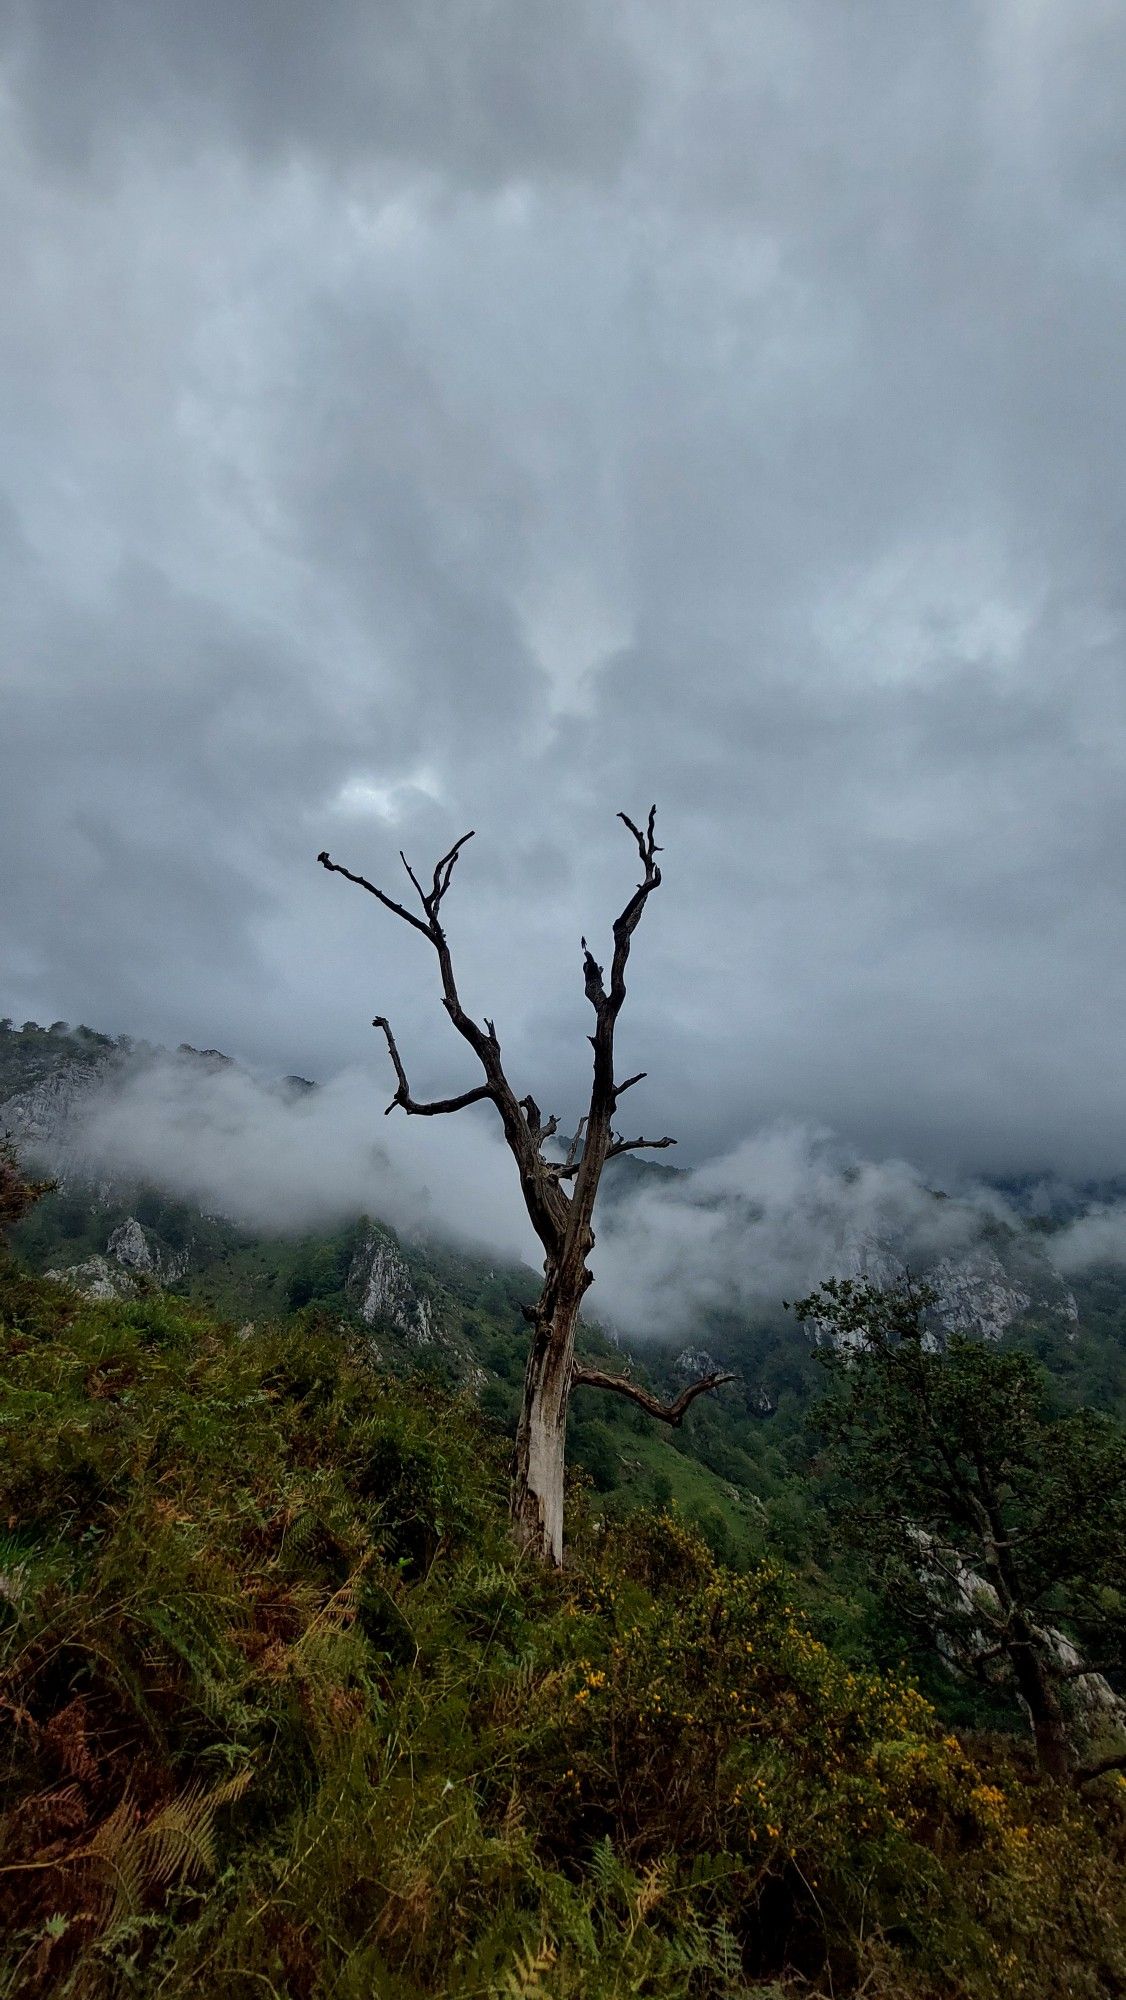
(286, 1714)
(741, 1472)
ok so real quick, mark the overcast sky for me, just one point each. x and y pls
(418, 417)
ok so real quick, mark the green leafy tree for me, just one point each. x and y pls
(18, 1194)
(595, 1450)
(994, 1523)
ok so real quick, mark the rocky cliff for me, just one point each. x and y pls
(133, 1260)
(389, 1297)
(986, 1288)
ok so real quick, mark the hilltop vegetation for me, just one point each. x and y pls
(288, 1715)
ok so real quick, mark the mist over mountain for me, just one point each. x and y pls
(677, 1248)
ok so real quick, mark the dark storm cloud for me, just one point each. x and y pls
(421, 418)
(502, 89)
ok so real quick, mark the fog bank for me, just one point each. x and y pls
(788, 1206)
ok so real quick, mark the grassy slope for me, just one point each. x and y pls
(287, 1715)
(244, 1277)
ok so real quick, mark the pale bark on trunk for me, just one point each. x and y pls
(541, 1438)
(559, 1195)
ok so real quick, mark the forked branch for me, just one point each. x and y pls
(547, 1203)
(403, 1095)
(567, 1170)
(601, 1142)
(669, 1413)
(540, 1132)
(388, 902)
(485, 1044)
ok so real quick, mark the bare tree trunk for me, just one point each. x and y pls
(536, 1502)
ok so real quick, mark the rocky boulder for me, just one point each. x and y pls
(142, 1253)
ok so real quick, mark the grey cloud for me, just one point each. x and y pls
(495, 92)
(737, 421)
(785, 1209)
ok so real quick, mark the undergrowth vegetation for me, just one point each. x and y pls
(285, 1714)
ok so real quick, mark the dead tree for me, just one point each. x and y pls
(559, 1194)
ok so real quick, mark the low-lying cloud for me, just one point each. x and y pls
(766, 1221)
(1095, 1241)
(785, 1209)
(282, 1159)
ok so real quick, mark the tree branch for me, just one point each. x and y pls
(607, 1004)
(539, 1132)
(1115, 1763)
(628, 921)
(1084, 1670)
(576, 1141)
(621, 1088)
(414, 878)
(442, 873)
(403, 1094)
(592, 978)
(548, 1205)
(484, 1045)
(669, 1413)
(634, 1145)
(388, 902)
(981, 1660)
(430, 899)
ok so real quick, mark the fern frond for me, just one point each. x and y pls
(651, 1890)
(524, 1980)
(179, 1841)
(116, 1850)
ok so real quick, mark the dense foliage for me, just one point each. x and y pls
(18, 1194)
(286, 1715)
(992, 1520)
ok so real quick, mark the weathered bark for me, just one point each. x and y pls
(536, 1501)
(1024, 1644)
(561, 1218)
